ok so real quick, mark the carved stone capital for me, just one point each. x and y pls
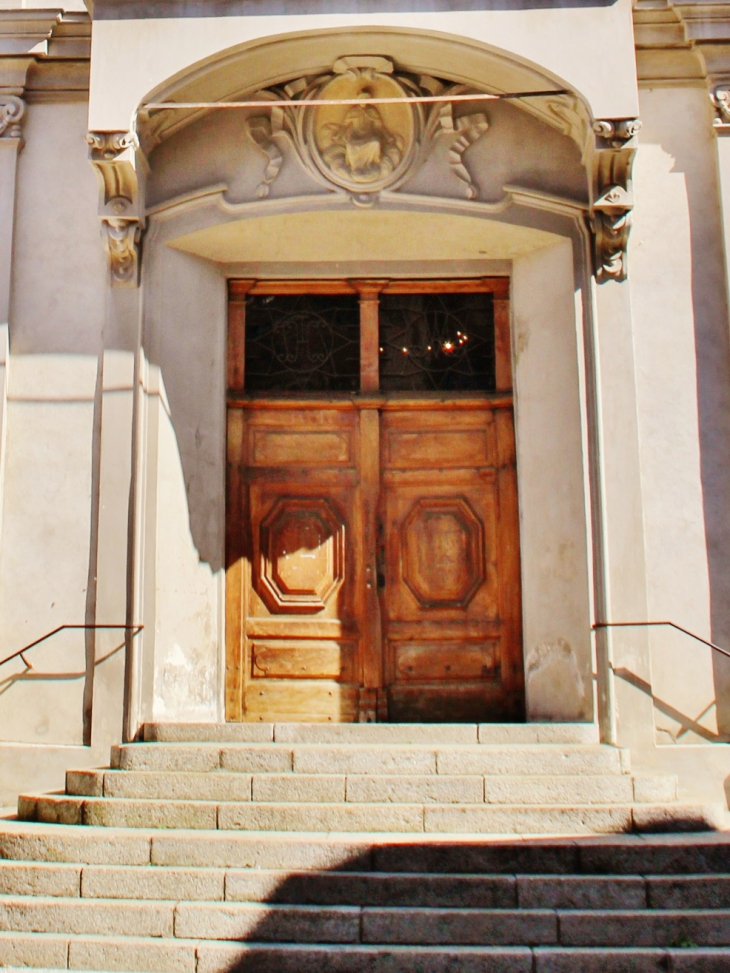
(12, 110)
(114, 157)
(616, 132)
(613, 200)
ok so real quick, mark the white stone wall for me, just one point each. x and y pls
(56, 315)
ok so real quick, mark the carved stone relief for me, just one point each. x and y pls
(365, 148)
(114, 157)
(612, 194)
(720, 98)
(12, 110)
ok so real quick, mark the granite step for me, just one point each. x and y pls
(365, 817)
(411, 759)
(371, 788)
(629, 854)
(401, 925)
(390, 733)
(142, 882)
(145, 956)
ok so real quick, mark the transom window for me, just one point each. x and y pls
(366, 336)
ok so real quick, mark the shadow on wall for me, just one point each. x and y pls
(51, 721)
(686, 723)
(364, 902)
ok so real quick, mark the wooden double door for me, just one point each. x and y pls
(373, 559)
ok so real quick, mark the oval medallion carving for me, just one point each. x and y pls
(302, 555)
(363, 148)
(443, 552)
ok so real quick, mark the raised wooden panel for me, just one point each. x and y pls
(273, 447)
(442, 552)
(443, 702)
(463, 448)
(299, 626)
(316, 701)
(446, 660)
(302, 555)
(304, 660)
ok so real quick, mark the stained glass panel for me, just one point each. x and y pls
(436, 343)
(302, 343)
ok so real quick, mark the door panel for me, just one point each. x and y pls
(450, 644)
(301, 524)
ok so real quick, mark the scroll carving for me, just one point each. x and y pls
(462, 132)
(262, 131)
(570, 116)
(720, 98)
(12, 110)
(114, 157)
(613, 195)
(362, 149)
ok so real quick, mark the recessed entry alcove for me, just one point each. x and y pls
(341, 513)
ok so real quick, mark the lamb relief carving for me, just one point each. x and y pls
(363, 148)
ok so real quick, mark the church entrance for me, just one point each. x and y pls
(372, 525)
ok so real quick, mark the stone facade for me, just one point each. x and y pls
(601, 192)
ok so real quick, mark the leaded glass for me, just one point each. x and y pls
(436, 343)
(302, 343)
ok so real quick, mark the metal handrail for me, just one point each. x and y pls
(679, 628)
(135, 630)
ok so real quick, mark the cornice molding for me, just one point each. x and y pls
(684, 43)
(49, 48)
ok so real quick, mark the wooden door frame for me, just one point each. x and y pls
(369, 290)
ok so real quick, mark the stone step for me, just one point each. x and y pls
(137, 955)
(142, 882)
(363, 817)
(412, 759)
(402, 789)
(402, 925)
(372, 733)
(480, 891)
(688, 854)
